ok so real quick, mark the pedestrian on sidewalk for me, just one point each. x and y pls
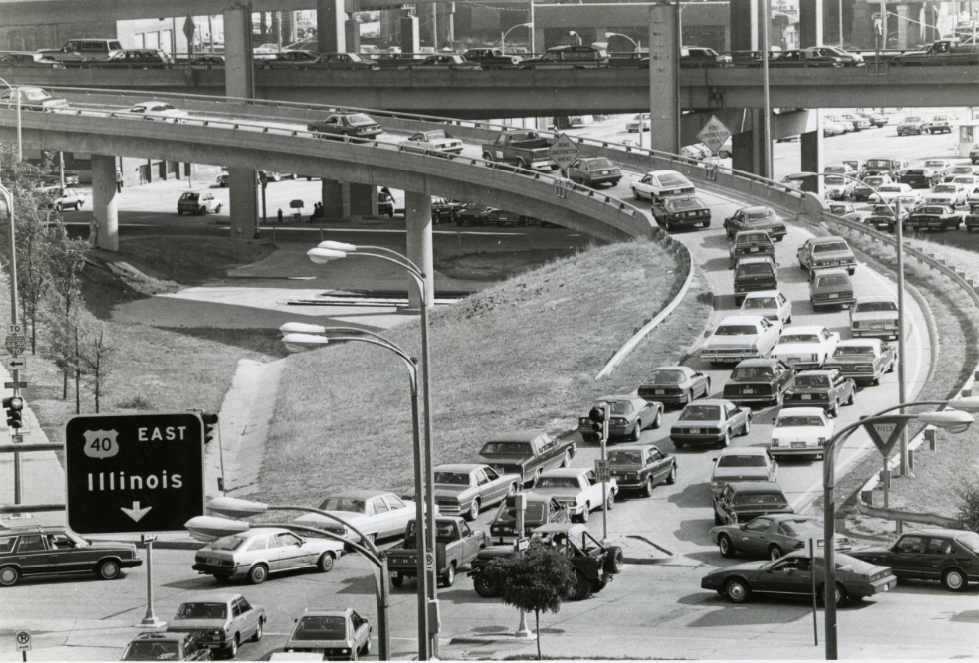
(280, 216)
(119, 181)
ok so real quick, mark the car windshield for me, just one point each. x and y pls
(736, 330)
(359, 120)
(754, 303)
(452, 478)
(672, 179)
(202, 611)
(912, 119)
(232, 542)
(320, 627)
(534, 514)
(798, 338)
(743, 460)
(701, 413)
(798, 527)
(625, 457)
(944, 188)
(930, 210)
(189, 196)
(832, 281)
(811, 381)
(890, 188)
(620, 407)
(601, 163)
(874, 181)
(145, 650)
(435, 135)
(869, 307)
(507, 448)
(754, 269)
(854, 351)
(969, 541)
(666, 376)
(557, 482)
(834, 180)
(826, 247)
(752, 373)
(753, 238)
(352, 504)
(797, 420)
(760, 499)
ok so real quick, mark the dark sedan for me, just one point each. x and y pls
(758, 381)
(933, 217)
(825, 388)
(641, 467)
(755, 217)
(793, 574)
(771, 536)
(355, 125)
(680, 211)
(675, 385)
(34, 550)
(751, 243)
(629, 415)
(950, 556)
(593, 171)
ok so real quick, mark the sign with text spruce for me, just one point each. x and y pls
(134, 473)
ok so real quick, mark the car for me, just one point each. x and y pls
(801, 431)
(222, 178)
(771, 304)
(468, 214)
(799, 58)
(747, 243)
(62, 199)
(540, 510)
(859, 123)
(758, 381)
(960, 171)
(156, 646)
(821, 252)
(974, 154)
(866, 187)
(674, 385)
(845, 168)
(805, 346)
(463, 489)
(875, 315)
(742, 464)
(882, 217)
(198, 202)
(830, 287)
(345, 61)
(568, 57)
(741, 501)
(940, 166)
(679, 211)
(156, 110)
(31, 98)
(946, 193)
(289, 59)
(441, 61)
(385, 203)
(755, 217)
(863, 359)
(492, 58)
(826, 388)
(938, 124)
(71, 179)
(438, 140)
(260, 551)
(700, 58)
(592, 171)
(29, 60)
(933, 217)
(641, 467)
(132, 58)
(577, 489)
(336, 634)
(352, 125)
(206, 61)
(836, 187)
(972, 218)
(56, 550)
(628, 416)
(845, 210)
(494, 216)
(910, 126)
(831, 128)
(949, 556)
(771, 537)
(220, 621)
(638, 124)
(526, 453)
(658, 183)
(712, 420)
(443, 208)
(848, 126)
(754, 274)
(793, 574)
(920, 178)
(739, 337)
(376, 513)
(888, 193)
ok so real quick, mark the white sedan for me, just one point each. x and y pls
(888, 192)
(576, 488)
(377, 514)
(770, 303)
(437, 140)
(805, 346)
(156, 110)
(949, 193)
(801, 431)
(657, 183)
(740, 337)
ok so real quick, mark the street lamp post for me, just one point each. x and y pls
(635, 44)
(576, 36)
(14, 316)
(512, 28)
(328, 251)
(955, 420)
(20, 139)
(300, 336)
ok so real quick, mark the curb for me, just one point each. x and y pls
(648, 561)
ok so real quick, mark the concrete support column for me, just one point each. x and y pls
(746, 155)
(244, 202)
(409, 34)
(664, 78)
(105, 207)
(539, 43)
(331, 18)
(446, 25)
(418, 220)
(744, 25)
(902, 26)
(352, 29)
(811, 153)
(429, 10)
(810, 23)
(336, 199)
(363, 199)
(238, 66)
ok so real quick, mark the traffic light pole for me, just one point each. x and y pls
(606, 412)
(14, 317)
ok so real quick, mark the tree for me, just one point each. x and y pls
(95, 358)
(67, 262)
(536, 581)
(968, 508)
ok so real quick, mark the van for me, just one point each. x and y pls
(85, 48)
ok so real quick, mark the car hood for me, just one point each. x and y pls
(833, 255)
(871, 550)
(749, 567)
(348, 516)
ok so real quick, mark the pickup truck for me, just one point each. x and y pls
(491, 58)
(456, 546)
(524, 149)
(942, 52)
(526, 454)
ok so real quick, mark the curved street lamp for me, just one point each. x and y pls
(208, 528)
(512, 28)
(635, 44)
(955, 420)
(576, 36)
(297, 337)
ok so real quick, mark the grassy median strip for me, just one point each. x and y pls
(522, 354)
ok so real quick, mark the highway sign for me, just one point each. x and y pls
(714, 134)
(15, 385)
(134, 473)
(16, 329)
(16, 363)
(886, 433)
(15, 344)
(189, 28)
(23, 639)
(521, 544)
(564, 152)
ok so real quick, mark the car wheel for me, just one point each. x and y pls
(954, 580)
(473, 513)
(774, 553)
(537, 473)
(706, 224)
(367, 646)
(726, 546)
(747, 426)
(9, 575)
(79, 206)
(582, 587)
(202, 210)
(671, 477)
(835, 409)
(614, 560)
(485, 585)
(658, 421)
(109, 570)
(232, 649)
(325, 562)
(566, 461)
(678, 445)
(647, 489)
(849, 399)
(398, 579)
(449, 577)
(610, 500)
(259, 631)
(893, 365)
(58, 208)
(258, 574)
(875, 381)
(725, 440)
(512, 490)
(636, 431)
(585, 514)
(521, 163)
(635, 194)
(839, 596)
(737, 590)
(690, 396)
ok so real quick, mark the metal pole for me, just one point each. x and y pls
(429, 466)
(840, 11)
(812, 574)
(20, 136)
(150, 618)
(383, 604)
(901, 340)
(607, 413)
(766, 21)
(829, 537)
(14, 313)
(61, 168)
(520, 509)
(420, 571)
(533, 30)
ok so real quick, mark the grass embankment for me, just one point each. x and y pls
(521, 354)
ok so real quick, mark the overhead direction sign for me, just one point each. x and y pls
(134, 473)
(564, 152)
(714, 134)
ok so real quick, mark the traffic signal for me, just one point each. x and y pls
(599, 420)
(210, 426)
(14, 405)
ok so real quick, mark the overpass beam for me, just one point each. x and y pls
(239, 78)
(409, 34)
(243, 196)
(810, 23)
(418, 224)
(105, 206)
(331, 16)
(744, 25)
(664, 78)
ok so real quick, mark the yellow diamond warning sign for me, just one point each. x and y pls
(714, 134)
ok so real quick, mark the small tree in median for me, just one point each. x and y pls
(536, 581)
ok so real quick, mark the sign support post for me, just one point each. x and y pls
(150, 618)
(564, 153)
